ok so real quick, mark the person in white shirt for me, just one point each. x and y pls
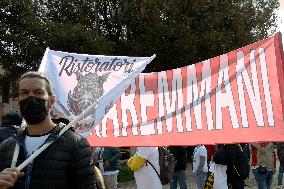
(220, 175)
(200, 168)
(145, 175)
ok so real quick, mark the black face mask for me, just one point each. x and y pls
(33, 109)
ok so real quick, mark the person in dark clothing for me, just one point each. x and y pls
(12, 118)
(280, 155)
(234, 153)
(10, 125)
(189, 152)
(109, 164)
(66, 163)
(180, 155)
(234, 157)
(246, 150)
(280, 152)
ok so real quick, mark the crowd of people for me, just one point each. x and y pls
(226, 166)
(70, 162)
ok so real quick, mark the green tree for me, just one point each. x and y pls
(185, 32)
(29, 26)
(19, 42)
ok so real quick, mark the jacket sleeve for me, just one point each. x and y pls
(116, 156)
(82, 166)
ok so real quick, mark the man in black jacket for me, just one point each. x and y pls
(180, 155)
(66, 163)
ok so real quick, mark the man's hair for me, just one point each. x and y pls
(27, 75)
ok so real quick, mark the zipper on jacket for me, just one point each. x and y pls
(28, 173)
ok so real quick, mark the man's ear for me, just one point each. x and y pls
(52, 101)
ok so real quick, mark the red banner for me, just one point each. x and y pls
(235, 97)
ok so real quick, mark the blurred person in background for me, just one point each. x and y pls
(108, 161)
(145, 175)
(235, 164)
(180, 155)
(263, 163)
(10, 126)
(200, 168)
(280, 177)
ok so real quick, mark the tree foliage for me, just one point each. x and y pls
(179, 32)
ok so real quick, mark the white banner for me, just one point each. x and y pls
(81, 79)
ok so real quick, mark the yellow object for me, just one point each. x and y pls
(135, 163)
(129, 162)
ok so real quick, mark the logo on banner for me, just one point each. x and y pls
(87, 91)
